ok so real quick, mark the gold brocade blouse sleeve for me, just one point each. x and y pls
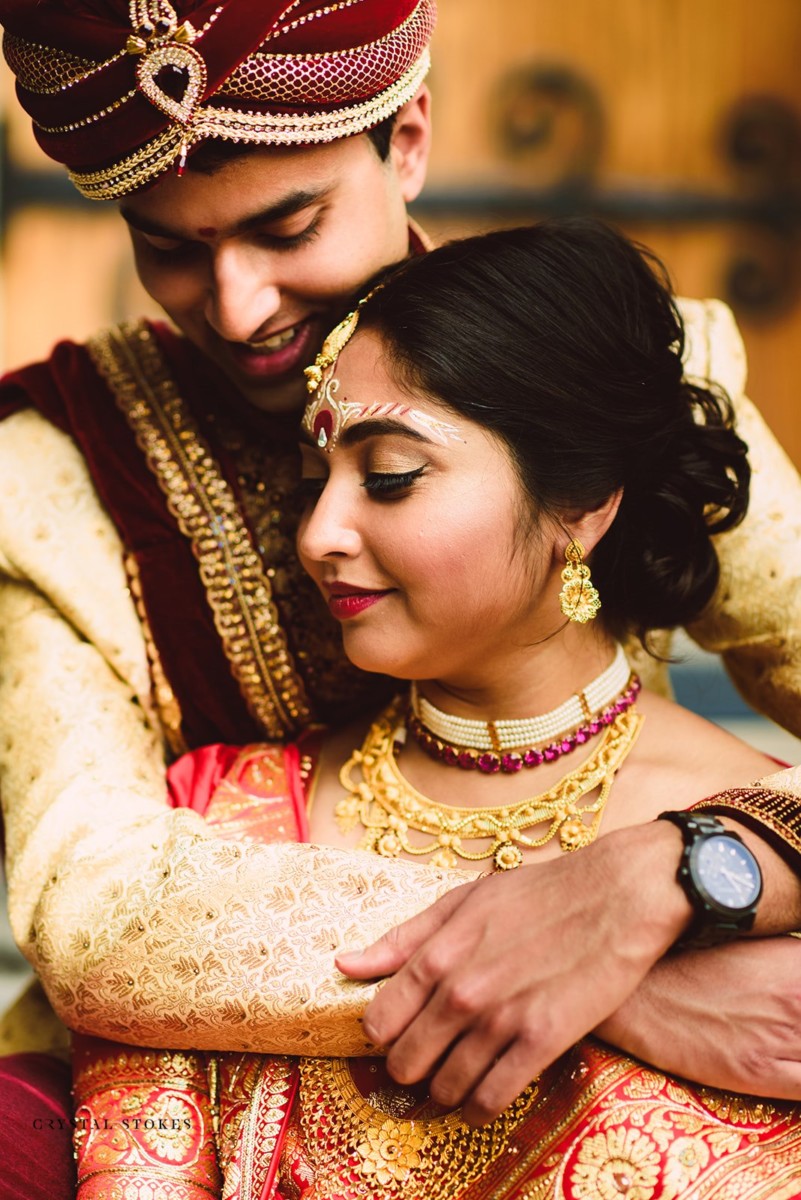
(754, 619)
(142, 926)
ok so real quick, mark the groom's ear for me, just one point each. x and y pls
(411, 143)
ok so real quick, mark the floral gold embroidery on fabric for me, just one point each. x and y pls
(631, 1133)
(142, 1124)
(255, 1095)
(620, 1163)
(360, 1150)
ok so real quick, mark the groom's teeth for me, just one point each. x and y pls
(276, 342)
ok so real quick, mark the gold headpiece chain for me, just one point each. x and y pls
(335, 343)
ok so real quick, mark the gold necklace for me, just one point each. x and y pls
(387, 806)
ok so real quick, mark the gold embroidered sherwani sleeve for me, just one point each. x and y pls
(141, 925)
(772, 806)
(754, 619)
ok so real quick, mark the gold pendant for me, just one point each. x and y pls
(388, 807)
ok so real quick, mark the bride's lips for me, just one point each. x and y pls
(345, 600)
(287, 350)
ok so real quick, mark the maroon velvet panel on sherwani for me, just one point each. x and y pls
(68, 392)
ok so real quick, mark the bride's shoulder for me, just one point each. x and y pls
(681, 758)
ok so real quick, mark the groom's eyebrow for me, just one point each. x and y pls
(294, 202)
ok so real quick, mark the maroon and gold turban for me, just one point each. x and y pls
(120, 90)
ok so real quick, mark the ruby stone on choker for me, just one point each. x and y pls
(511, 745)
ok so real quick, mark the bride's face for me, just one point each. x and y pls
(418, 532)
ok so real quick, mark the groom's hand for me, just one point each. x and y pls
(728, 1017)
(501, 976)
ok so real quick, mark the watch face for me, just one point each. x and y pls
(727, 872)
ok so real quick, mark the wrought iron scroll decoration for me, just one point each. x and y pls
(551, 108)
(761, 141)
(551, 120)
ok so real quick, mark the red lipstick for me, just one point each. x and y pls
(345, 600)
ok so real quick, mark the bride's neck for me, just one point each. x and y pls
(531, 680)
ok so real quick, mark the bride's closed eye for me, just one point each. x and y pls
(388, 485)
(381, 485)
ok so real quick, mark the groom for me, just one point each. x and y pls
(262, 155)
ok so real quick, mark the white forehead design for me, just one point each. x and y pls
(439, 431)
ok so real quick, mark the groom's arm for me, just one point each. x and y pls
(732, 1012)
(495, 981)
(754, 619)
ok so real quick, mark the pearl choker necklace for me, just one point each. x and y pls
(509, 761)
(529, 731)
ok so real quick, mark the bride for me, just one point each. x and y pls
(508, 480)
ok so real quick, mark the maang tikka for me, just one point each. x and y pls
(326, 415)
(578, 599)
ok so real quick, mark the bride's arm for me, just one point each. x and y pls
(727, 1017)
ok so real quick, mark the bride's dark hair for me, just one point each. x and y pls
(564, 340)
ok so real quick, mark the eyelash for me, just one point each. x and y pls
(386, 485)
(176, 251)
(298, 239)
(380, 485)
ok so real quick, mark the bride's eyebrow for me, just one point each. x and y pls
(360, 431)
(376, 426)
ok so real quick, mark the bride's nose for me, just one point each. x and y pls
(329, 529)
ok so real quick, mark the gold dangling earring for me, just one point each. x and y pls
(578, 599)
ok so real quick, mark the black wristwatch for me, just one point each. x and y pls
(721, 879)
